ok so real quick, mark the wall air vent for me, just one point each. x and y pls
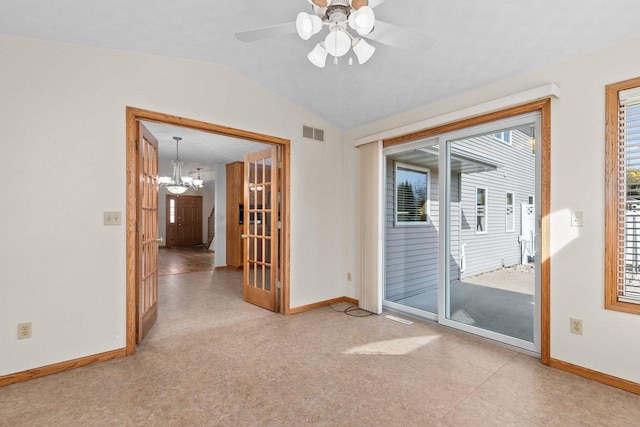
(315, 134)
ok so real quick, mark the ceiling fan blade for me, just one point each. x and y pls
(267, 32)
(399, 37)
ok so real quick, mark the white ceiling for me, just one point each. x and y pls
(198, 149)
(476, 42)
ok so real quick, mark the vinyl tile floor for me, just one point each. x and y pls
(214, 360)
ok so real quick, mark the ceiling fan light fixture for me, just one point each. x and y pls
(318, 56)
(337, 42)
(362, 20)
(308, 25)
(363, 50)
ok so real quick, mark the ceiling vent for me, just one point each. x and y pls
(309, 132)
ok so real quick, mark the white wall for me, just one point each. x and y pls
(610, 342)
(220, 237)
(63, 121)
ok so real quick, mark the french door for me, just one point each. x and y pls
(261, 231)
(147, 237)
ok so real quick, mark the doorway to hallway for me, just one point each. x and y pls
(183, 220)
(138, 227)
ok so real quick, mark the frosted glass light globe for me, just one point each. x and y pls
(337, 43)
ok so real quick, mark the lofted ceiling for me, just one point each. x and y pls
(476, 43)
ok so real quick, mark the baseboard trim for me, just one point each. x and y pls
(228, 267)
(60, 367)
(600, 377)
(320, 304)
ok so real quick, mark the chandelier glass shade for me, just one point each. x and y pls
(178, 183)
(339, 16)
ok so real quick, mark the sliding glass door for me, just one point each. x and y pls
(412, 213)
(461, 230)
(490, 248)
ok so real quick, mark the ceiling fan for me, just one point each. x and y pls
(343, 18)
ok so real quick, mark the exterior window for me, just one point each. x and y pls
(510, 211)
(172, 211)
(481, 210)
(622, 184)
(530, 200)
(504, 136)
(411, 194)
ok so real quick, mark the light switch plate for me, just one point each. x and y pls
(112, 218)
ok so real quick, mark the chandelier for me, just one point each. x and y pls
(339, 16)
(179, 183)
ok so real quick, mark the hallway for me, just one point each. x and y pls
(184, 260)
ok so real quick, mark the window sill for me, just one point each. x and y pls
(622, 306)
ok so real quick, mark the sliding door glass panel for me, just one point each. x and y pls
(491, 232)
(411, 230)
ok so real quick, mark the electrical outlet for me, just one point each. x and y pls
(576, 326)
(24, 330)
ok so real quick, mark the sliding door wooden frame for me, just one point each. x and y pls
(544, 107)
(133, 115)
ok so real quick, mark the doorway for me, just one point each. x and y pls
(134, 200)
(183, 220)
(490, 284)
(463, 229)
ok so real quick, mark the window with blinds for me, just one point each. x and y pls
(411, 194)
(629, 194)
(622, 256)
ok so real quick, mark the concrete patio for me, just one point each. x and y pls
(501, 301)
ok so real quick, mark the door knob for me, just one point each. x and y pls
(244, 236)
(159, 240)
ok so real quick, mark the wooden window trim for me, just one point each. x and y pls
(611, 301)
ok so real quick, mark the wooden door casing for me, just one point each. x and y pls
(235, 206)
(133, 117)
(147, 219)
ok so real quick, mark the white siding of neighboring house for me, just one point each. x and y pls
(411, 251)
(516, 173)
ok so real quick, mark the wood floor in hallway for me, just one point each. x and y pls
(182, 260)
